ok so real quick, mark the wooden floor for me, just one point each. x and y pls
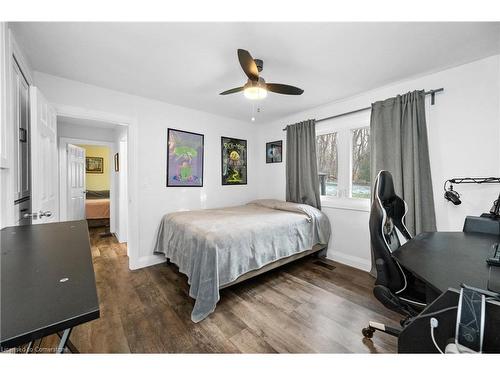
(309, 306)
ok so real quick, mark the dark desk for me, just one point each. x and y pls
(47, 282)
(446, 259)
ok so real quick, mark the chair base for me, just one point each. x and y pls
(374, 326)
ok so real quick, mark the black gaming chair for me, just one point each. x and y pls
(395, 287)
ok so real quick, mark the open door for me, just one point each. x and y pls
(76, 182)
(44, 160)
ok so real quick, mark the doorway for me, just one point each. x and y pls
(89, 172)
(93, 174)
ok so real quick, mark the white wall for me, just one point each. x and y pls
(464, 139)
(150, 122)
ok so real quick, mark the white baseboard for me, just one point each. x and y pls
(118, 237)
(149, 260)
(356, 262)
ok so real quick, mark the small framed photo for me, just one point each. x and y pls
(274, 152)
(94, 164)
(117, 162)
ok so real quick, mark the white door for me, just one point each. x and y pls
(76, 182)
(44, 161)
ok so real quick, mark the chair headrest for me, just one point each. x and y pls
(385, 186)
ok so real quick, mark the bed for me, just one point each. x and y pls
(97, 207)
(217, 248)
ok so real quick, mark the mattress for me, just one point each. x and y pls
(97, 208)
(216, 246)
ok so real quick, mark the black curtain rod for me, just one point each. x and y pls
(432, 93)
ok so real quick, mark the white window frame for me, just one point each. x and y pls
(344, 126)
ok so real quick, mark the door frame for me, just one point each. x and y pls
(63, 178)
(132, 170)
(9, 53)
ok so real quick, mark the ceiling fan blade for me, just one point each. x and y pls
(248, 64)
(284, 89)
(232, 91)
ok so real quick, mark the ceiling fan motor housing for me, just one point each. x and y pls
(260, 64)
(256, 87)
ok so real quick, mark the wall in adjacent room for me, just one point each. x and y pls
(464, 140)
(150, 120)
(98, 181)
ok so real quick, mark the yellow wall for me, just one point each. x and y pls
(98, 181)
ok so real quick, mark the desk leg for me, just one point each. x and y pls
(29, 347)
(65, 342)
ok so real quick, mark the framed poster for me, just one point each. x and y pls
(117, 162)
(234, 161)
(185, 158)
(94, 164)
(274, 152)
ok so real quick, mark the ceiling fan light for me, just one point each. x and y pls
(255, 92)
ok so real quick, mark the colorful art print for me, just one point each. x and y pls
(274, 152)
(234, 161)
(185, 158)
(94, 164)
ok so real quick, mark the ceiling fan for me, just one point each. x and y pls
(256, 87)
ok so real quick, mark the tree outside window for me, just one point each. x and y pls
(361, 163)
(327, 155)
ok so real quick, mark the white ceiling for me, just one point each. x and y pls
(190, 63)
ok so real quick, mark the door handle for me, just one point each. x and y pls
(45, 213)
(32, 215)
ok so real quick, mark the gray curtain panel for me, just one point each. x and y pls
(398, 137)
(302, 181)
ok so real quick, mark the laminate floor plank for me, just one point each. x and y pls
(308, 306)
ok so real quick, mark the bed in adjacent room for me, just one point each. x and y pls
(97, 210)
(217, 248)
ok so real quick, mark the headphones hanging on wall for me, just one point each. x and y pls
(454, 197)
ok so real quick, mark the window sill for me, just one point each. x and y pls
(352, 204)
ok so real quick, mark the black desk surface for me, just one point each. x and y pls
(446, 259)
(34, 302)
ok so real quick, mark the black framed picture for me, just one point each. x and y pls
(117, 162)
(234, 161)
(94, 164)
(274, 152)
(185, 158)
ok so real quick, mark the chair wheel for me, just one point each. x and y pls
(368, 332)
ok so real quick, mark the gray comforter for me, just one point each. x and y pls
(214, 247)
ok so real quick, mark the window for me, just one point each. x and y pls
(360, 161)
(343, 153)
(326, 150)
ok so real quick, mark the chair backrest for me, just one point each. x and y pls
(387, 232)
